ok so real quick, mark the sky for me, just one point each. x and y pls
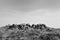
(30, 11)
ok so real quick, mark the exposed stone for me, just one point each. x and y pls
(29, 32)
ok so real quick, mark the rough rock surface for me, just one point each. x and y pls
(29, 32)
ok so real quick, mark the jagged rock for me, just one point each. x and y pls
(29, 32)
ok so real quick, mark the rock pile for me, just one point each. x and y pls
(28, 32)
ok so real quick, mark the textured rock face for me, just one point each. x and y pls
(29, 32)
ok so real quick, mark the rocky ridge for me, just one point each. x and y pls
(28, 32)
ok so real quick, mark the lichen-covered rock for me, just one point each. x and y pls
(28, 32)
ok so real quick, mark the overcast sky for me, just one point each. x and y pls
(30, 11)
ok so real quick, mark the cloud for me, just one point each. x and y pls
(30, 5)
(49, 17)
(46, 16)
(40, 12)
